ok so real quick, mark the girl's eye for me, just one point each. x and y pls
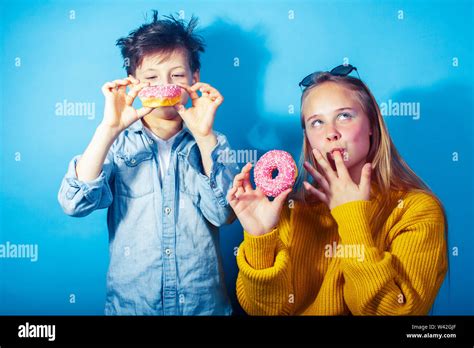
(316, 123)
(150, 77)
(345, 116)
(177, 75)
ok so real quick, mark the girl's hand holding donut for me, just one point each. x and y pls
(337, 187)
(257, 214)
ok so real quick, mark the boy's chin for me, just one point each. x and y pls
(164, 113)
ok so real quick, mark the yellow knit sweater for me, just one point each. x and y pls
(322, 262)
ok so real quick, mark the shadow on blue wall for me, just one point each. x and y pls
(240, 118)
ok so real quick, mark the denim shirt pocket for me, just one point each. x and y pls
(133, 177)
(187, 177)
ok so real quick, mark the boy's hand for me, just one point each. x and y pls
(200, 116)
(119, 112)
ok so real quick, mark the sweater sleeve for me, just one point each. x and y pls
(403, 279)
(264, 284)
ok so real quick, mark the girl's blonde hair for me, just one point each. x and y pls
(390, 173)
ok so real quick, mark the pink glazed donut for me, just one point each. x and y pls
(160, 95)
(287, 172)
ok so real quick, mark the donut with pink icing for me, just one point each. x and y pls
(160, 95)
(267, 164)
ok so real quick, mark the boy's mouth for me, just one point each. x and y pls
(164, 112)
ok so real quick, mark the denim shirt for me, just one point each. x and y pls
(163, 240)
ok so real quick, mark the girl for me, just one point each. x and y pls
(366, 237)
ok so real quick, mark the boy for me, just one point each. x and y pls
(160, 180)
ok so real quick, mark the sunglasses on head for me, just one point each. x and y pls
(341, 70)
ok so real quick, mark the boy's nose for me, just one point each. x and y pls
(165, 79)
(162, 80)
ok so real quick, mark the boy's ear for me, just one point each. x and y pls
(196, 77)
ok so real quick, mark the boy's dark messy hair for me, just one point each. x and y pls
(164, 35)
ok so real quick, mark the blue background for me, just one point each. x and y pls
(407, 59)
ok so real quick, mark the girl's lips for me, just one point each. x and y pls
(341, 150)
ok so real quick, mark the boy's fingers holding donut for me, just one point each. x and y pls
(217, 101)
(122, 84)
(199, 85)
(210, 91)
(133, 79)
(131, 95)
(107, 88)
(143, 111)
(142, 85)
(133, 92)
(184, 86)
(192, 92)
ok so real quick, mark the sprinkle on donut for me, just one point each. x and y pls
(160, 91)
(161, 95)
(267, 164)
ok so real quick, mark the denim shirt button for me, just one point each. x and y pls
(168, 252)
(167, 210)
(133, 161)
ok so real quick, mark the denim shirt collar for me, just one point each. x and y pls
(178, 144)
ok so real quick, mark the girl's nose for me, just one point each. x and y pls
(332, 134)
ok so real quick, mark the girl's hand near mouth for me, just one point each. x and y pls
(336, 187)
